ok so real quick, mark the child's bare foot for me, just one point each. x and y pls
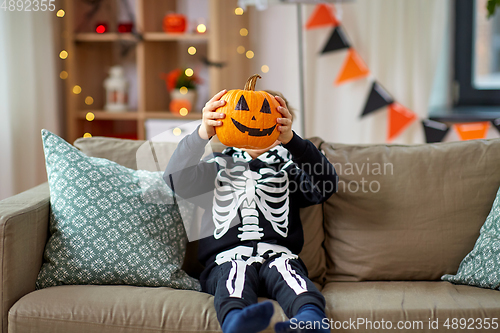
(252, 319)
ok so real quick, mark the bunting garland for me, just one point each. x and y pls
(338, 41)
(496, 123)
(378, 98)
(323, 16)
(472, 131)
(353, 68)
(399, 118)
(434, 131)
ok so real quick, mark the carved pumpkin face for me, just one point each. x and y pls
(251, 118)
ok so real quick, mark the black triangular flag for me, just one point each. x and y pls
(434, 131)
(338, 41)
(496, 123)
(266, 108)
(377, 99)
(242, 104)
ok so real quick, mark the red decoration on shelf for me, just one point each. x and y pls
(353, 68)
(399, 119)
(101, 28)
(125, 27)
(472, 131)
(323, 16)
(174, 22)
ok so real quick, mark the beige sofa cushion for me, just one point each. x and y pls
(107, 309)
(411, 301)
(423, 215)
(134, 154)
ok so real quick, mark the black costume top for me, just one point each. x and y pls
(247, 200)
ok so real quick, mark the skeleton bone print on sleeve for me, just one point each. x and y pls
(239, 188)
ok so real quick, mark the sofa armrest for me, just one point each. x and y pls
(24, 222)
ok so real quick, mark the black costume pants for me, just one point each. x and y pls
(237, 284)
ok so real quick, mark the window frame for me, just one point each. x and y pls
(466, 93)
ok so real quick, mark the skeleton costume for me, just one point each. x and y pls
(251, 220)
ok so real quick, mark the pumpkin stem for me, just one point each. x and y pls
(252, 80)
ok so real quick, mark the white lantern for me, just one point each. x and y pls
(116, 90)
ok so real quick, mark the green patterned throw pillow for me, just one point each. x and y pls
(110, 224)
(481, 267)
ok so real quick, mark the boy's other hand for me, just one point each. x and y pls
(285, 123)
(210, 117)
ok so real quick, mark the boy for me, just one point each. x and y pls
(253, 218)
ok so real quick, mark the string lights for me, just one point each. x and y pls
(201, 28)
(63, 75)
(177, 131)
(241, 49)
(63, 54)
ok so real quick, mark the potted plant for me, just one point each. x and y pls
(181, 85)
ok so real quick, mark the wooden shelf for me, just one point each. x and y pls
(148, 36)
(105, 37)
(171, 115)
(106, 115)
(93, 54)
(134, 115)
(162, 36)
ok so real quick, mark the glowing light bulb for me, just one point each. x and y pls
(240, 49)
(201, 28)
(60, 13)
(239, 11)
(63, 75)
(90, 116)
(192, 50)
(89, 100)
(87, 135)
(250, 54)
(264, 68)
(183, 112)
(63, 54)
(189, 72)
(177, 131)
(243, 32)
(183, 90)
(77, 89)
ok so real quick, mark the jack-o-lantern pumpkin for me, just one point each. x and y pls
(251, 118)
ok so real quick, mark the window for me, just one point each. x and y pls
(477, 54)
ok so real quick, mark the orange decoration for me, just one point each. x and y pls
(177, 104)
(323, 16)
(472, 131)
(353, 68)
(251, 118)
(399, 119)
(175, 23)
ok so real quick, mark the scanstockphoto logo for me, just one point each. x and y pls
(361, 177)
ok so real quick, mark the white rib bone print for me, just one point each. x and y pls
(246, 190)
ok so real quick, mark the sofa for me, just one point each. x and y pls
(403, 217)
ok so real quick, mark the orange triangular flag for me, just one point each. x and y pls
(399, 119)
(353, 68)
(323, 16)
(472, 131)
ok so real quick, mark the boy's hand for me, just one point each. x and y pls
(285, 123)
(210, 117)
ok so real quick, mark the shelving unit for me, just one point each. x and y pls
(151, 52)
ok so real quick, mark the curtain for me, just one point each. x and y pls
(28, 101)
(401, 43)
